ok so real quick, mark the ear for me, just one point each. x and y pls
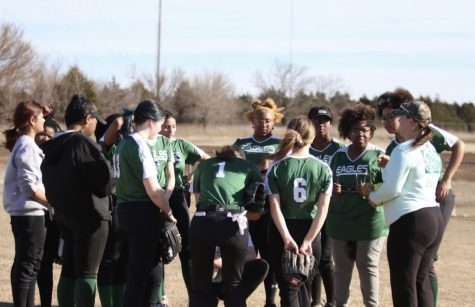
(87, 119)
(32, 120)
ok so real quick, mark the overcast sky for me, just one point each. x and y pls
(427, 46)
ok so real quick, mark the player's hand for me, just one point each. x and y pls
(442, 190)
(289, 244)
(383, 160)
(336, 188)
(306, 247)
(253, 216)
(374, 205)
(364, 189)
(172, 219)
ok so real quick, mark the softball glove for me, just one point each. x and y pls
(255, 197)
(170, 242)
(297, 268)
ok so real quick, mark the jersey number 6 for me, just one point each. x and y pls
(300, 194)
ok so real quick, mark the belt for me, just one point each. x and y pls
(219, 209)
(237, 215)
(348, 189)
(204, 213)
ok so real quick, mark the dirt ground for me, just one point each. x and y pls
(455, 267)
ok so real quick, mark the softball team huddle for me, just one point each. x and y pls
(334, 201)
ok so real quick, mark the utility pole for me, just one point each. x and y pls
(158, 48)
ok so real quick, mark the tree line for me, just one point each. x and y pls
(206, 98)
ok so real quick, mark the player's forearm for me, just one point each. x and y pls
(170, 179)
(319, 220)
(456, 158)
(278, 218)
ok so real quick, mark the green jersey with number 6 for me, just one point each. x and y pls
(327, 153)
(184, 153)
(133, 162)
(223, 182)
(257, 151)
(299, 181)
(350, 216)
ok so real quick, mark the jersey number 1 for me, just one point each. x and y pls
(300, 194)
(115, 165)
(220, 173)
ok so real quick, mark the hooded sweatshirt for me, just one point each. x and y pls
(76, 177)
(23, 179)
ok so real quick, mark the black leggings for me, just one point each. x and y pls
(412, 243)
(255, 271)
(291, 295)
(207, 232)
(113, 267)
(29, 233)
(179, 207)
(259, 231)
(141, 222)
(84, 243)
(325, 272)
(50, 255)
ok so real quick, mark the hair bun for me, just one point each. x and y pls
(268, 105)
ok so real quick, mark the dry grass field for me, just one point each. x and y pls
(456, 267)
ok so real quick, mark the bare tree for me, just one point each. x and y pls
(284, 82)
(328, 85)
(286, 77)
(17, 59)
(215, 100)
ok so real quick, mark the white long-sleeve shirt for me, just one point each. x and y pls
(409, 181)
(23, 178)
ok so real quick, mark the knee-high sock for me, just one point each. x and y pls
(66, 292)
(85, 292)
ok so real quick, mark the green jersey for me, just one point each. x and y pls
(223, 181)
(257, 151)
(441, 139)
(299, 181)
(108, 152)
(350, 216)
(162, 154)
(327, 153)
(133, 162)
(184, 153)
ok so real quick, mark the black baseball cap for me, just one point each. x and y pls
(78, 108)
(320, 111)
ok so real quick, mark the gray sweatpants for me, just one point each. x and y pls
(367, 261)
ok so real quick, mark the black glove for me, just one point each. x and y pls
(170, 244)
(255, 197)
(297, 268)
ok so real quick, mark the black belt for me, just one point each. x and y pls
(348, 189)
(219, 209)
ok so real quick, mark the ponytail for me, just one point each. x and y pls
(291, 138)
(300, 132)
(24, 111)
(11, 135)
(425, 137)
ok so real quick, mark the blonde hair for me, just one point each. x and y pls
(300, 132)
(267, 105)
